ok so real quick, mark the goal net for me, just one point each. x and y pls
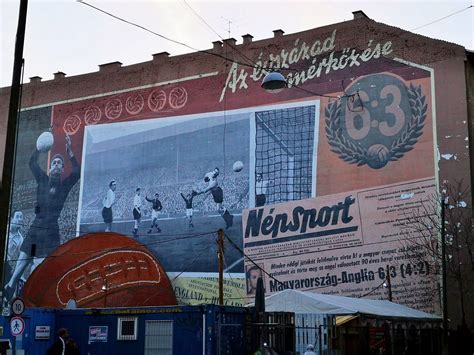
(284, 144)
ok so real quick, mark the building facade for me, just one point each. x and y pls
(321, 186)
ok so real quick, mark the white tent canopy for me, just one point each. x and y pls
(309, 302)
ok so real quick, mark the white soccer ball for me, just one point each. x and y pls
(238, 166)
(44, 142)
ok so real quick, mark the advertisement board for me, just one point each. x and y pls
(98, 334)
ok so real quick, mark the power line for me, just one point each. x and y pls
(251, 260)
(202, 19)
(223, 57)
(158, 242)
(207, 248)
(442, 18)
(162, 36)
(372, 291)
(209, 26)
(82, 232)
(253, 65)
(285, 286)
(231, 279)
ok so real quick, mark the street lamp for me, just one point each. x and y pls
(274, 82)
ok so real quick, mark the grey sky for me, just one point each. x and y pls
(67, 36)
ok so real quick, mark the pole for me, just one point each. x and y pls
(105, 287)
(220, 247)
(389, 284)
(320, 339)
(10, 141)
(443, 265)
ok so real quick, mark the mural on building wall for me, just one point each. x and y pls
(380, 123)
(107, 270)
(344, 244)
(310, 187)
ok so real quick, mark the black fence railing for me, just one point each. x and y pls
(275, 333)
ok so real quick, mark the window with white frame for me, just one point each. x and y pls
(127, 328)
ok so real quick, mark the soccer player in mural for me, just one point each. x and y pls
(43, 235)
(261, 187)
(108, 202)
(156, 207)
(252, 274)
(217, 194)
(137, 213)
(188, 200)
(15, 240)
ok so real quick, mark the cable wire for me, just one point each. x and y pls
(229, 44)
(442, 18)
(372, 291)
(162, 36)
(231, 279)
(158, 242)
(207, 248)
(253, 65)
(251, 260)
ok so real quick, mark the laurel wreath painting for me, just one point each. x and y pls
(353, 153)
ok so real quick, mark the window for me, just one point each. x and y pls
(127, 328)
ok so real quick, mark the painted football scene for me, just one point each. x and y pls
(193, 175)
(176, 159)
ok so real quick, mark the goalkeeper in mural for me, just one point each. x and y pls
(43, 236)
(217, 194)
(261, 187)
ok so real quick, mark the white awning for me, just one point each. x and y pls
(310, 302)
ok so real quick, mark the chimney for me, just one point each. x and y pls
(157, 57)
(217, 46)
(59, 75)
(278, 33)
(230, 42)
(110, 67)
(247, 38)
(35, 79)
(359, 14)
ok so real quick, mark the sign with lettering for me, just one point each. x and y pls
(341, 243)
(42, 332)
(317, 58)
(98, 334)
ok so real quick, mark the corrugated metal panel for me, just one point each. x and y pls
(158, 337)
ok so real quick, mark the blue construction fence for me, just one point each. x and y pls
(206, 329)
